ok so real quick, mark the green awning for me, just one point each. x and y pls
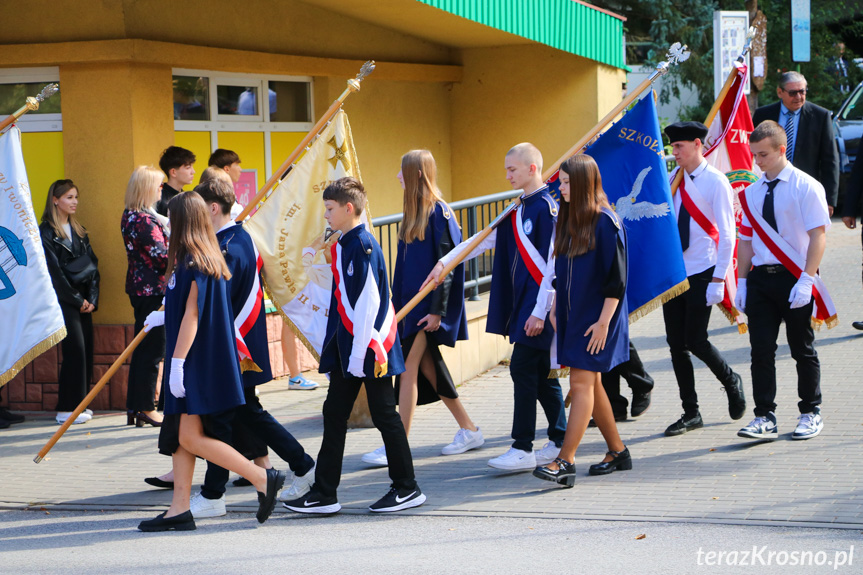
(567, 25)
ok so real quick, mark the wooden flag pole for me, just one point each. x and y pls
(675, 183)
(675, 55)
(353, 86)
(31, 105)
(91, 396)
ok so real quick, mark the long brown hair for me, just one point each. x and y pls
(419, 173)
(57, 190)
(576, 225)
(193, 238)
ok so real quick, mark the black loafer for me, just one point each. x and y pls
(683, 425)
(857, 325)
(182, 522)
(11, 417)
(267, 501)
(160, 483)
(564, 474)
(640, 403)
(736, 399)
(620, 461)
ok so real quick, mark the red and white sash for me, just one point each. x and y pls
(534, 262)
(823, 310)
(364, 313)
(691, 203)
(248, 315)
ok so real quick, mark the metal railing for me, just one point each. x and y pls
(473, 215)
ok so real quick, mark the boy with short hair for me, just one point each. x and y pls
(176, 162)
(361, 345)
(782, 240)
(227, 160)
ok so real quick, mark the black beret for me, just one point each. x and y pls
(686, 132)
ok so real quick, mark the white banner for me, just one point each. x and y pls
(31, 318)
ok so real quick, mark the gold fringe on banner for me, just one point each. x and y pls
(732, 318)
(658, 301)
(557, 373)
(249, 365)
(831, 322)
(32, 354)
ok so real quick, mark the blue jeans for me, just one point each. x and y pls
(529, 369)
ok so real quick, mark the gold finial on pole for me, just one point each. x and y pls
(31, 105)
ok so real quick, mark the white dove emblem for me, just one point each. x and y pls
(627, 208)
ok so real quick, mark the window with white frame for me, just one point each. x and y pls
(16, 84)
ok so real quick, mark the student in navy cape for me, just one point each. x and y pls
(253, 427)
(202, 368)
(429, 230)
(361, 346)
(518, 308)
(590, 316)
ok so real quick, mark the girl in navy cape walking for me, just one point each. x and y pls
(429, 230)
(590, 316)
(203, 365)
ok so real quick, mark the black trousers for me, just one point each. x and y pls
(686, 320)
(76, 371)
(767, 306)
(636, 377)
(144, 366)
(337, 409)
(252, 418)
(529, 369)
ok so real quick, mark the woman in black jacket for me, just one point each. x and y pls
(75, 275)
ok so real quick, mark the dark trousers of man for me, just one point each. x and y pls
(686, 320)
(76, 371)
(252, 418)
(636, 377)
(767, 306)
(144, 366)
(529, 368)
(382, 405)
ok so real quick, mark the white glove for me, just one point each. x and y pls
(715, 293)
(740, 298)
(801, 293)
(355, 366)
(175, 379)
(155, 319)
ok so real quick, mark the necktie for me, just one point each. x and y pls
(683, 226)
(768, 211)
(789, 133)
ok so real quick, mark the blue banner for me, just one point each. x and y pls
(635, 178)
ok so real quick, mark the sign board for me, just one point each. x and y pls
(800, 24)
(247, 187)
(729, 36)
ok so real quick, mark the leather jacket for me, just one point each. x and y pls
(58, 252)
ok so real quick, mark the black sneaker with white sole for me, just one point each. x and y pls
(398, 499)
(313, 502)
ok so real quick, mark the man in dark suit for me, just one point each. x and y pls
(811, 145)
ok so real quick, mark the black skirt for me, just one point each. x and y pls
(425, 390)
(216, 426)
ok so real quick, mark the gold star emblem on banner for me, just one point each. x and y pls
(340, 154)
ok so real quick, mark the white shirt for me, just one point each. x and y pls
(713, 195)
(799, 204)
(67, 227)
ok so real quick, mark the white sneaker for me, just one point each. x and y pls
(547, 454)
(464, 440)
(377, 457)
(201, 507)
(89, 412)
(62, 416)
(514, 460)
(808, 426)
(299, 486)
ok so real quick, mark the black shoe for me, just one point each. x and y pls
(398, 499)
(313, 502)
(4, 423)
(160, 483)
(11, 417)
(267, 501)
(857, 325)
(736, 399)
(618, 417)
(620, 461)
(640, 403)
(241, 482)
(683, 425)
(182, 522)
(564, 474)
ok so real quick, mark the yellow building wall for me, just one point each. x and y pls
(199, 144)
(250, 147)
(43, 158)
(282, 144)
